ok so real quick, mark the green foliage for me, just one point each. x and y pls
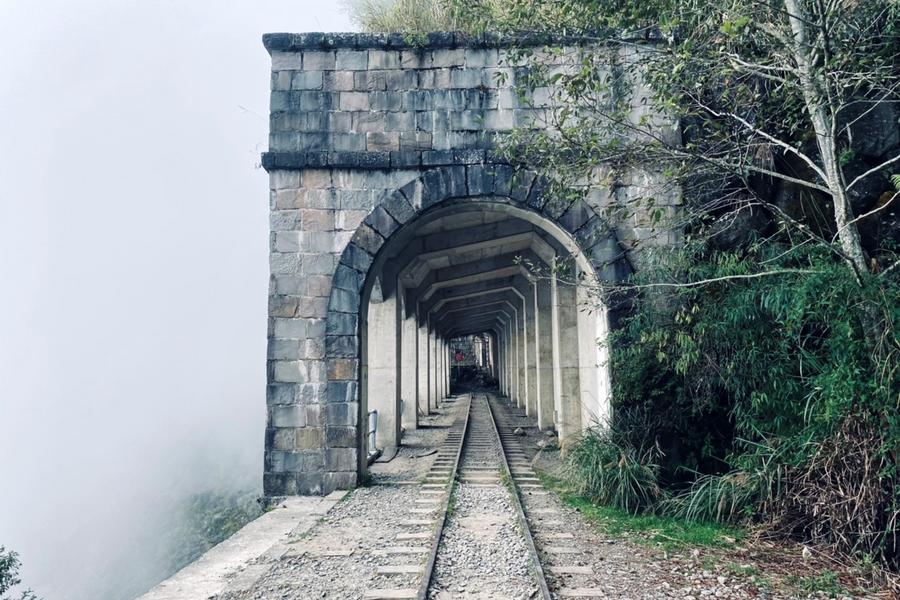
(614, 474)
(825, 582)
(670, 533)
(207, 519)
(727, 498)
(9, 576)
(414, 17)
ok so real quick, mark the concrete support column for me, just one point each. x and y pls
(545, 338)
(432, 371)
(569, 421)
(408, 375)
(524, 342)
(382, 384)
(446, 368)
(556, 363)
(592, 372)
(422, 368)
(532, 356)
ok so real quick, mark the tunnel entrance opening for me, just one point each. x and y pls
(479, 269)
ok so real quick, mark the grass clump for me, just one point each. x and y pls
(825, 582)
(614, 474)
(667, 532)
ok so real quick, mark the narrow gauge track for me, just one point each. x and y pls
(481, 437)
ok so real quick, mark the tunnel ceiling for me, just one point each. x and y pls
(465, 272)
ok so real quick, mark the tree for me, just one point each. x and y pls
(9, 576)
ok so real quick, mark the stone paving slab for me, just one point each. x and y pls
(227, 565)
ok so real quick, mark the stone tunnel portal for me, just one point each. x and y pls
(395, 228)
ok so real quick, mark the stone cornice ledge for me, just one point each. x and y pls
(296, 42)
(411, 159)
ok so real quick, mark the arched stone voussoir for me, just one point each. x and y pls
(399, 207)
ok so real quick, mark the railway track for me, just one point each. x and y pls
(482, 464)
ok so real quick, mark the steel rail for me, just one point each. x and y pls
(520, 510)
(422, 592)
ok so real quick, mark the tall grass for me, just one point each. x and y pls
(614, 474)
(407, 16)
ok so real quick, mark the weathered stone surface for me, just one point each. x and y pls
(366, 134)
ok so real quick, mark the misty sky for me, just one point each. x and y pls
(133, 268)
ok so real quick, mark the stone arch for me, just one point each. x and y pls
(573, 222)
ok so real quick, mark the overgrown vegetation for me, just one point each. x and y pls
(9, 577)
(757, 364)
(206, 519)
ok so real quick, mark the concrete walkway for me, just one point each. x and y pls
(240, 560)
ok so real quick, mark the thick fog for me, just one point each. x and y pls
(133, 271)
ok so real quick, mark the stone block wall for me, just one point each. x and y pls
(354, 118)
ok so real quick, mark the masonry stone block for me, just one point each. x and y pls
(413, 59)
(404, 122)
(282, 306)
(284, 349)
(351, 60)
(292, 285)
(340, 480)
(342, 437)
(342, 345)
(337, 81)
(280, 393)
(287, 61)
(290, 328)
(341, 369)
(480, 179)
(309, 438)
(384, 59)
(398, 207)
(341, 414)
(369, 81)
(315, 264)
(281, 80)
(400, 80)
(319, 61)
(341, 324)
(290, 371)
(466, 78)
(354, 101)
(417, 100)
(306, 80)
(382, 141)
(346, 278)
(282, 438)
(448, 58)
(381, 221)
(315, 415)
(303, 462)
(367, 239)
(341, 459)
(312, 307)
(343, 301)
(575, 216)
(288, 415)
(341, 392)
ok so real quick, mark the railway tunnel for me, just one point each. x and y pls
(480, 266)
(396, 228)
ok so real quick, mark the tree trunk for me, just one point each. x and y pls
(816, 100)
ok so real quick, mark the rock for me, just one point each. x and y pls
(874, 128)
(518, 431)
(737, 228)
